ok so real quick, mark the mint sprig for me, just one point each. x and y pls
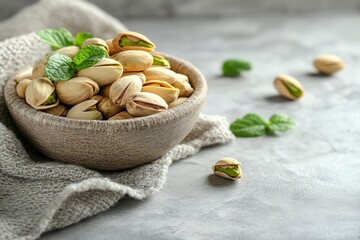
(252, 125)
(234, 67)
(59, 67)
(88, 56)
(61, 37)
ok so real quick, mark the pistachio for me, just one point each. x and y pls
(185, 88)
(228, 168)
(159, 73)
(134, 60)
(108, 108)
(104, 72)
(133, 41)
(145, 103)
(69, 51)
(328, 64)
(39, 68)
(98, 98)
(177, 102)
(24, 73)
(288, 87)
(21, 87)
(76, 90)
(160, 61)
(182, 77)
(139, 74)
(85, 110)
(105, 90)
(123, 88)
(111, 47)
(121, 116)
(58, 110)
(97, 42)
(161, 88)
(40, 94)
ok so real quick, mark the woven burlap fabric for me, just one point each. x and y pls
(38, 194)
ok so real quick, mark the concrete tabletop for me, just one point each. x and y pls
(301, 185)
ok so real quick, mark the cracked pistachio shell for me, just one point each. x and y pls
(328, 64)
(104, 72)
(38, 92)
(139, 74)
(157, 56)
(177, 102)
(76, 90)
(105, 90)
(98, 98)
(85, 110)
(111, 47)
(134, 37)
(39, 68)
(161, 88)
(185, 88)
(25, 73)
(58, 110)
(228, 163)
(108, 108)
(69, 51)
(288, 87)
(145, 103)
(134, 60)
(123, 88)
(21, 87)
(159, 73)
(121, 116)
(95, 41)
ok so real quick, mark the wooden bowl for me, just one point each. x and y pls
(109, 145)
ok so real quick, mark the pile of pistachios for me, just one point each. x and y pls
(116, 79)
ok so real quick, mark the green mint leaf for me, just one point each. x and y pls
(59, 67)
(251, 125)
(281, 123)
(233, 67)
(56, 38)
(88, 56)
(81, 37)
(293, 89)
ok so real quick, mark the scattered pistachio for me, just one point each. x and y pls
(288, 87)
(328, 64)
(228, 168)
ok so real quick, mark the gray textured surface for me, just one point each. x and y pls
(302, 185)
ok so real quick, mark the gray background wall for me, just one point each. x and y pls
(201, 8)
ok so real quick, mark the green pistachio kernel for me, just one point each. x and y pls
(51, 99)
(293, 90)
(231, 171)
(160, 62)
(125, 41)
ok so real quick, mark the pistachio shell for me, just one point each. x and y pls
(227, 163)
(76, 90)
(284, 82)
(328, 64)
(108, 108)
(161, 88)
(85, 110)
(25, 73)
(134, 60)
(21, 87)
(111, 47)
(134, 36)
(37, 93)
(97, 42)
(69, 51)
(39, 68)
(185, 88)
(177, 102)
(98, 98)
(158, 73)
(145, 103)
(104, 72)
(121, 116)
(123, 88)
(105, 90)
(139, 74)
(58, 110)
(182, 77)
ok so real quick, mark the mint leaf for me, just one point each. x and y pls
(88, 56)
(56, 38)
(233, 67)
(251, 125)
(59, 67)
(81, 37)
(281, 123)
